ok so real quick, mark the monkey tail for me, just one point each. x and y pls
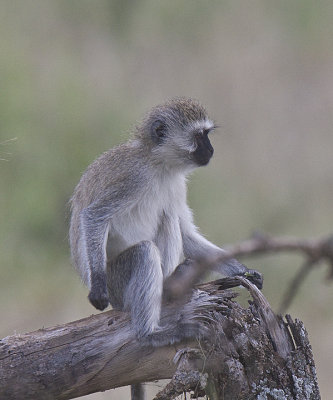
(137, 392)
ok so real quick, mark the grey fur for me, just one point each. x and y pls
(131, 225)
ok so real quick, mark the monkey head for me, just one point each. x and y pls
(177, 134)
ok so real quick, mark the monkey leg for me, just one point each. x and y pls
(135, 284)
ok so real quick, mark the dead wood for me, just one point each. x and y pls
(247, 353)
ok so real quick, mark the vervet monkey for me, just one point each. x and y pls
(131, 225)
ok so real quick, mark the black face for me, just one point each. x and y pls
(204, 151)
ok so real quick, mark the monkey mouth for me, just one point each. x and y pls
(202, 157)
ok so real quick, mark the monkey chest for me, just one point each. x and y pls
(156, 221)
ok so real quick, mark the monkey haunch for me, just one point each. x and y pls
(131, 226)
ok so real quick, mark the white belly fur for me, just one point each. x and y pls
(145, 221)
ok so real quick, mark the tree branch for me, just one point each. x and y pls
(295, 284)
(314, 250)
(243, 354)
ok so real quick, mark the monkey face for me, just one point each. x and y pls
(199, 148)
(186, 147)
(204, 150)
(177, 133)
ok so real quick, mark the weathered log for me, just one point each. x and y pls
(314, 250)
(246, 353)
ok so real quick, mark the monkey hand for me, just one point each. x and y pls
(99, 296)
(255, 277)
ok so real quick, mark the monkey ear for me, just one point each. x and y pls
(158, 131)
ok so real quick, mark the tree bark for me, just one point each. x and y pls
(245, 353)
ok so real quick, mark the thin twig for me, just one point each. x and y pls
(295, 285)
(314, 250)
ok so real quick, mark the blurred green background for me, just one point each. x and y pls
(77, 75)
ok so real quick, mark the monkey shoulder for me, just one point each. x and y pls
(116, 164)
(118, 173)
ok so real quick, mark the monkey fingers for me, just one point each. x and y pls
(255, 277)
(99, 297)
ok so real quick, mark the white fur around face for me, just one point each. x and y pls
(202, 125)
(175, 151)
(186, 139)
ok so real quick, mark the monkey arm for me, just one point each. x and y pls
(195, 246)
(94, 228)
(95, 222)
